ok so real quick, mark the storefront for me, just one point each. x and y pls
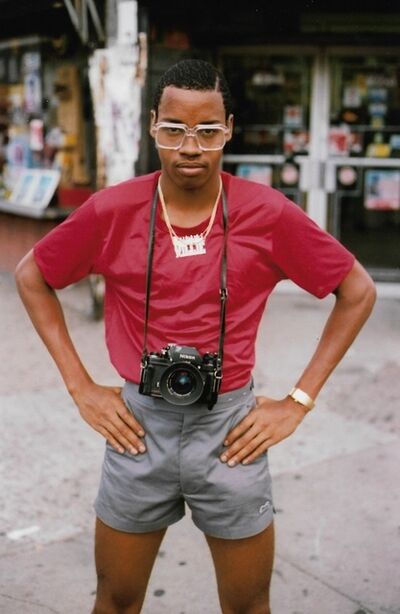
(317, 109)
(47, 135)
(70, 107)
(318, 119)
(331, 141)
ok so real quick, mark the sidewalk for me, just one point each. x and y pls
(336, 484)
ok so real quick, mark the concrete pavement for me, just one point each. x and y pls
(336, 484)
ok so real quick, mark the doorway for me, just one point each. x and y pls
(323, 126)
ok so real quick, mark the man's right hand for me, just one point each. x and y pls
(100, 406)
(104, 410)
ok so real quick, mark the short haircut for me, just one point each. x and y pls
(194, 75)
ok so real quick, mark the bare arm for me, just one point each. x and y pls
(273, 420)
(355, 298)
(100, 406)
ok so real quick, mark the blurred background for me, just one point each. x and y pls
(316, 88)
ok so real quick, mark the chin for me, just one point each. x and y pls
(190, 182)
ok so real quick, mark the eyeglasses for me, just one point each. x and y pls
(209, 137)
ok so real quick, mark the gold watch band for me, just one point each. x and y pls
(302, 397)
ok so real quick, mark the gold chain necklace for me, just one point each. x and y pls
(189, 245)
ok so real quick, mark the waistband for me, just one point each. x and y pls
(225, 400)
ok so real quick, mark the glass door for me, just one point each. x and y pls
(271, 94)
(323, 126)
(362, 177)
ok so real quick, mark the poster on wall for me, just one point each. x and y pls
(293, 116)
(32, 82)
(260, 173)
(352, 97)
(35, 187)
(116, 92)
(295, 141)
(382, 190)
(339, 141)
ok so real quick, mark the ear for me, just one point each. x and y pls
(229, 123)
(153, 120)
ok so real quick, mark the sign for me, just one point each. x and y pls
(116, 91)
(260, 173)
(382, 190)
(35, 187)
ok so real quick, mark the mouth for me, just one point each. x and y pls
(190, 169)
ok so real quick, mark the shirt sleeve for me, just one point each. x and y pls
(72, 250)
(306, 254)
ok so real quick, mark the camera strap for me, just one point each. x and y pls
(149, 268)
(223, 289)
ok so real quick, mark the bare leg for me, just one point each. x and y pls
(123, 562)
(243, 568)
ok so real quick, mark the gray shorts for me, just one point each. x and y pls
(148, 492)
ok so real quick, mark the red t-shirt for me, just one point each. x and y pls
(270, 239)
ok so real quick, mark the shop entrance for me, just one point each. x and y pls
(323, 126)
(271, 94)
(362, 178)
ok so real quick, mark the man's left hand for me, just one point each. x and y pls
(268, 423)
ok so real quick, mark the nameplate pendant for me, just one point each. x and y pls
(191, 245)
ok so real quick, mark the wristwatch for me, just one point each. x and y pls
(299, 396)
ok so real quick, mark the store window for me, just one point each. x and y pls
(271, 94)
(365, 107)
(45, 138)
(271, 103)
(364, 150)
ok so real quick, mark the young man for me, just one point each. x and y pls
(159, 453)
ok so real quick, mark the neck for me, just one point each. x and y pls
(190, 207)
(181, 199)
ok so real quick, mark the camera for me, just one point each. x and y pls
(180, 375)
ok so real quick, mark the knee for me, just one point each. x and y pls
(120, 599)
(116, 604)
(252, 604)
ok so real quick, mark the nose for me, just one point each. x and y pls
(190, 146)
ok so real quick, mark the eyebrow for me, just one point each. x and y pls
(174, 120)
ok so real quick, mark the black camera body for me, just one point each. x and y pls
(180, 375)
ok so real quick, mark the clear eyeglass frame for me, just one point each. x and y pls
(189, 132)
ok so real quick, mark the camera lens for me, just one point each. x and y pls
(182, 381)
(181, 384)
